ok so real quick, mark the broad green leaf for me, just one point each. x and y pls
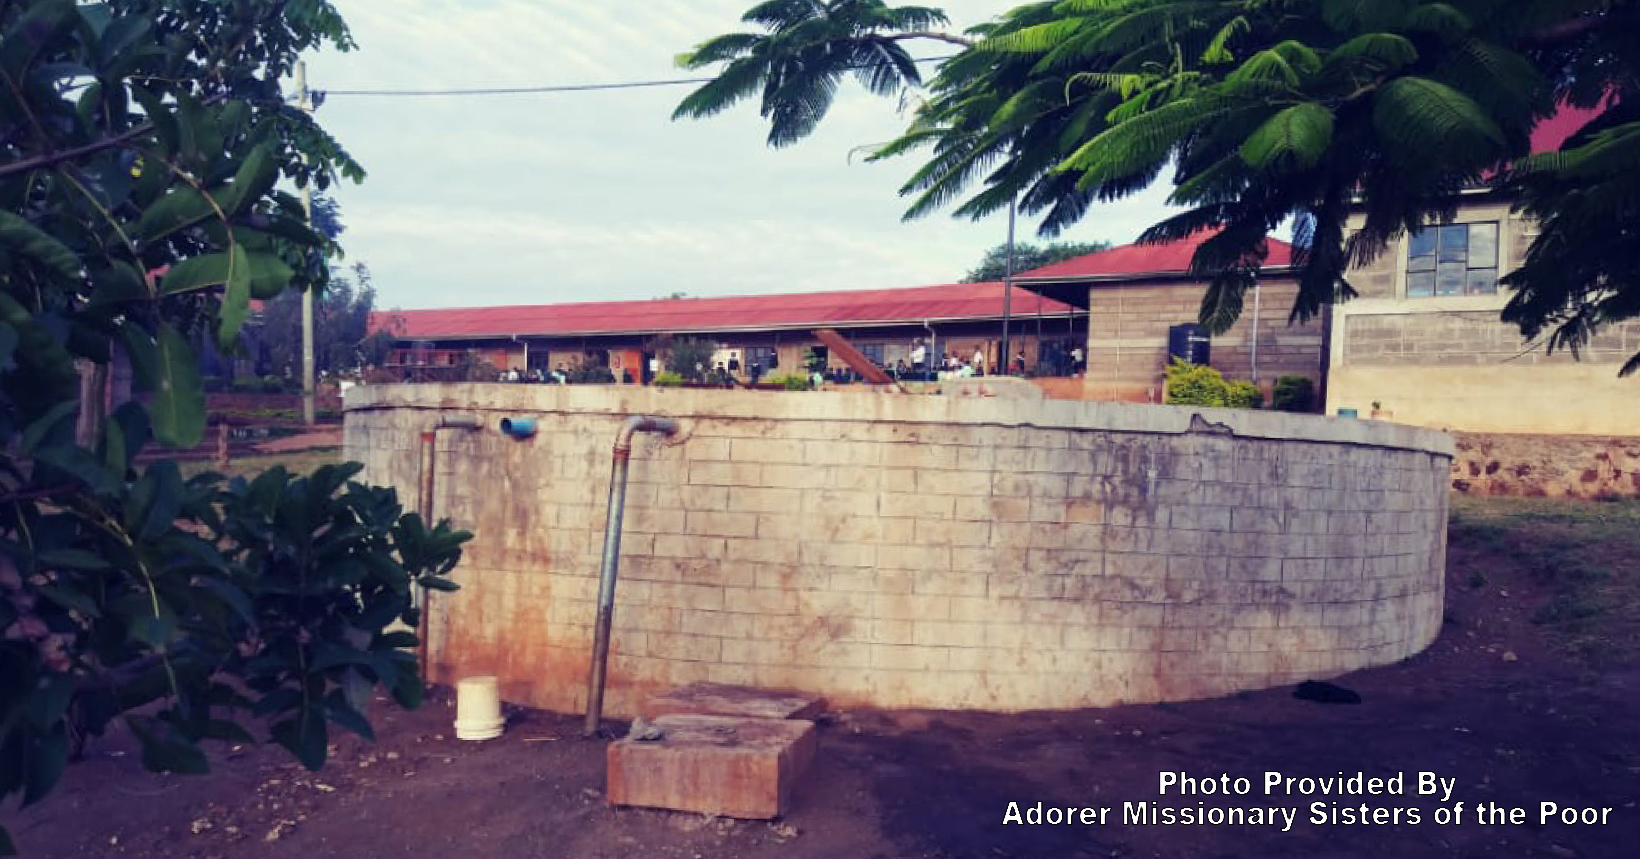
(123, 32)
(267, 273)
(50, 700)
(236, 298)
(408, 692)
(346, 716)
(144, 355)
(43, 425)
(252, 182)
(232, 596)
(119, 283)
(30, 242)
(37, 27)
(114, 451)
(305, 736)
(184, 207)
(164, 121)
(200, 272)
(73, 559)
(80, 464)
(70, 599)
(178, 408)
(164, 500)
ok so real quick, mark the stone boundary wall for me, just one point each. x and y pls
(922, 551)
(1555, 466)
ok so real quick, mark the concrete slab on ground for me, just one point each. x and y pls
(724, 765)
(719, 699)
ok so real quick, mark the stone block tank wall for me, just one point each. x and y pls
(922, 551)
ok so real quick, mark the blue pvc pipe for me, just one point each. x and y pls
(519, 428)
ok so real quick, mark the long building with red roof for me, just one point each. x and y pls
(1140, 293)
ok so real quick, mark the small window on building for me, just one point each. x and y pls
(1456, 259)
(873, 352)
(762, 357)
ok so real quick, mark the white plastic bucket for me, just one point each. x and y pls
(478, 709)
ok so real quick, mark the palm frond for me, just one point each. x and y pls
(1032, 40)
(1218, 50)
(740, 80)
(908, 18)
(1372, 53)
(720, 49)
(1441, 19)
(1346, 16)
(1297, 136)
(776, 14)
(1415, 116)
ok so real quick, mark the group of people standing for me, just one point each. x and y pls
(535, 375)
(953, 364)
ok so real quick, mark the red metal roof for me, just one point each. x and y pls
(1135, 261)
(1552, 132)
(911, 305)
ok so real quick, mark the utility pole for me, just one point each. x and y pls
(310, 412)
(1006, 359)
(1254, 332)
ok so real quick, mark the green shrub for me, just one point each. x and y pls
(1293, 394)
(592, 374)
(1199, 385)
(667, 379)
(1195, 385)
(272, 385)
(1243, 395)
(794, 382)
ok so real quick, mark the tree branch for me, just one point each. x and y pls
(929, 34)
(52, 158)
(1578, 27)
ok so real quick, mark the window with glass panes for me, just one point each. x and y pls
(1456, 259)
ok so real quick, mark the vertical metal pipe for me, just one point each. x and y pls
(424, 506)
(1007, 358)
(612, 560)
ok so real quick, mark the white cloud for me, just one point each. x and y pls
(578, 195)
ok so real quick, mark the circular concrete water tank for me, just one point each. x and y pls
(478, 709)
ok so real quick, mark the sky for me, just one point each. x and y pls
(598, 196)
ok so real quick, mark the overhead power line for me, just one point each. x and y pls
(534, 90)
(522, 90)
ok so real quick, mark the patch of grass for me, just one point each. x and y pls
(299, 462)
(1583, 556)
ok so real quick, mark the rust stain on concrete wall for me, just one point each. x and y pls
(924, 551)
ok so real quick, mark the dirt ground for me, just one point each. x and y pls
(1531, 694)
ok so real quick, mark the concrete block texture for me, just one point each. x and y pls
(732, 766)
(920, 551)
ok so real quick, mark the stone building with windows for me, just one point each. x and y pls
(1135, 294)
(1423, 343)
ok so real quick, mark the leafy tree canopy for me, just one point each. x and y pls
(994, 266)
(1259, 111)
(341, 338)
(142, 146)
